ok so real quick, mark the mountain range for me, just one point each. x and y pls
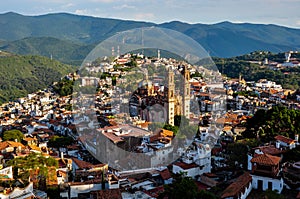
(69, 38)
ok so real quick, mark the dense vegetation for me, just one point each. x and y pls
(184, 187)
(59, 141)
(262, 128)
(61, 50)
(21, 75)
(240, 65)
(182, 129)
(13, 135)
(24, 167)
(279, 120)
(64, 87)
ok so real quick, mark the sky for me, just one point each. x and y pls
(280, 12)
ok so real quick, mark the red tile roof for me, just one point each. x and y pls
(234, 189)
(115, 139)
(284, 139)
(86, 165)
(201, 186)
(186, 166)
(266, 159)
(4, 145)
(271, 150)
(106, 194)
(165, 174)
(82, 164)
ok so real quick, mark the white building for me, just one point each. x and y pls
(265, 173)
(190, 170)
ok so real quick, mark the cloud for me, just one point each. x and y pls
(81, 12)
(144, 16)
(69, 5)
(124, 6)
(103, 1)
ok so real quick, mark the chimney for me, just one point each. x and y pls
(16, 140)
(62, 155)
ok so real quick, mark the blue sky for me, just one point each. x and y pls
(281, 12)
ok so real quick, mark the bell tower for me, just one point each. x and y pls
(186, 94)
(170, 97)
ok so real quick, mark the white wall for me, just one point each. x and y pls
(19, 192)
(249, 164)
(7, 171)
(277, 184)
(190, 172)
(247, 192)
(84, 188)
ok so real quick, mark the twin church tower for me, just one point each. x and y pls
(179, 104)
(152, 104)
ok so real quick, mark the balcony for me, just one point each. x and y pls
(267, 173)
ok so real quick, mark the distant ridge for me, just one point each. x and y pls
(80, 33)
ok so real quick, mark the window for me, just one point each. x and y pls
(270, 185)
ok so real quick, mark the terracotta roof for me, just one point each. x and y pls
(284, 139)
(106, 194)
(234, 189)
(210, 175)
(86, 165)
(201, 186)
(271, 150)
(33, 147)
(165, 174)
(266, 159)
(5, 144)
(154, 137)
(82, 164)
(29, 139)
(115, 139)
(186, 166)
(166, 133)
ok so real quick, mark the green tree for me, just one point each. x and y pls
(171, 128)
(36, 162)
(114, 80)
(180, 120)
(237, 154)
(60, 141)
(64, 87)
(53, 192)
(12, 135)
(292, 155)
(182, 187)
(269, 194)
(279, 120)
(205, 195)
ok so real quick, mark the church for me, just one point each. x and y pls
(160, 102)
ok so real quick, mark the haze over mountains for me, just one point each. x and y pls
(69, 37)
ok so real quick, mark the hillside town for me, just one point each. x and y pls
(137, 125)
